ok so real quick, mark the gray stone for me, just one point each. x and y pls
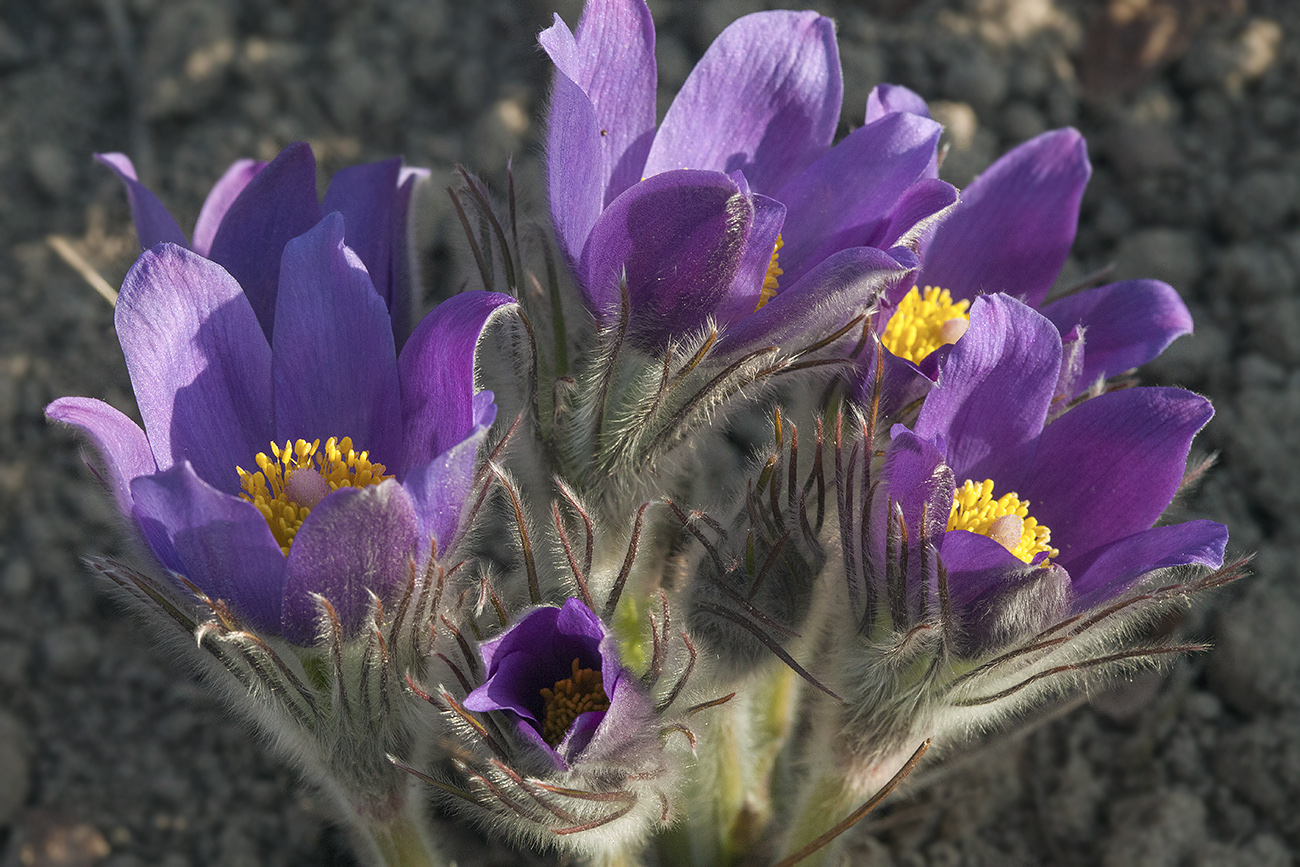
(189, 47)
(1259, 203)
(69, 651)
(15, 768)
(1155, 830)
(974, 76)
(1171, 255)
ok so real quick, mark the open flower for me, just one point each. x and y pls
(737, 208)
(1011, 233)
(256, 208)
(1006, 500)
(306, 457)
(556, 674)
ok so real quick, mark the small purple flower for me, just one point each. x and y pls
(256, 208)
(556, 675)
(737, 207)
(1086, 488)
(1011, 233)
(378, 449)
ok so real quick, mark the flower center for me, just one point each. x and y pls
(768, 292)
(1005, 520)
(923, 322)
(580, 693)
(299, 476)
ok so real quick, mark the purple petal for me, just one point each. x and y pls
(846, 198)
(333, 361)
(888, 98)
(440, 487)
(436, 373)
(1015, 223)
(994, 391)
(747, 287)
(916, 477)
(278, 205)
(119, 442)
(979, 567)
(199, 364)
(839, 288)
(611, 60)
(573, 139)
(404, 281)
(1125, 324)
(916, 211)
(221, 543)
(1109, 467)
(764, 99)
(357, 541)
(154, 224)
(1117, 566)
(367, 196)
(619, 729)
(679, 238)
(219, 200)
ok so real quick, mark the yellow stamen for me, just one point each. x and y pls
(582, 692)
(298, 476)
(924, 322)
(1005, 520)
(768, 292)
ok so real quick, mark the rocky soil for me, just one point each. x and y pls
(111, 755)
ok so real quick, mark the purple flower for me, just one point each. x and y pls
(556, 675)
(377, 450)
(1085, 489)
(1011, 233)
(737, 207)
(256, 208)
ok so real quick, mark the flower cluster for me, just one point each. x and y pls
(595, 622)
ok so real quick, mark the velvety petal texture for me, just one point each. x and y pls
(537, 652)
(1098, 476)
(1015, 223)
(760, 108)
(154, 224)
(216, 385)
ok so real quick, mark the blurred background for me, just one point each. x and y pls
(112, 755)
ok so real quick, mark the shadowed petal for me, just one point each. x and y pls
(405, 280)
(436, 372)
(679, 237)
(118, 441)
(220, 543)
(827, 297)
(1015, 223)
(979, 567)
(764, 99)
(279, 204)
(573, 139)
(333, 361)
(1125, 325)
(440, 487)
(1109, 467)
(1106, 573)
(356, 540)
(199, 365)
(219, 200)
(845, 199)
(747, 287)
(154, 224)
(887, 98)
(367, 196)
(994, 391)
(611, 59)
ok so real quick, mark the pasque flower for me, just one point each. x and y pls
(738, 207)
(256, 208)
(371, 455)
(556, 675)
(1011, 233)
(1004, 499)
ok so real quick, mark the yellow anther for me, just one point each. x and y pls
(923, 322)
(770, 281)
(1005, 520)
(301, 474)
(584, 691)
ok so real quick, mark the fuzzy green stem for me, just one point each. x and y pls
(827, 801)
(402, 841)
